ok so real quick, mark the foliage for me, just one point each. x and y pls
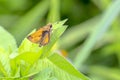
(91, 41)
(30, 61)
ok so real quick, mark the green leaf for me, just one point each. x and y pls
(14, 68)
(2, 71)
(58, 29)
(27, 46)
(5, 64)
(29, 53)
(7, 46)
(45, 74)
(7, 41)
(25, 61)
(56, 67)
(64, 65)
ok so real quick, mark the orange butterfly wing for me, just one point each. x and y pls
(35, 37)
(41, 36)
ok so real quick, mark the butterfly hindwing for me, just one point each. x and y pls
(45, 38)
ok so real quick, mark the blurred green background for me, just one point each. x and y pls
(92, 39)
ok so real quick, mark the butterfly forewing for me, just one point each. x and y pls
(41, 36)
(35, 37)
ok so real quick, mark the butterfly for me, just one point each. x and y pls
(41, 36)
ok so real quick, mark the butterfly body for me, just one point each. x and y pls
(41, 36)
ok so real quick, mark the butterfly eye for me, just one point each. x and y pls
(29, 37)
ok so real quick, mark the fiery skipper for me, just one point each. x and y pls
(41, 36)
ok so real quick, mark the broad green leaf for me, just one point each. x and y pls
(57, 68)
(15, 68)
(25, 61)
(7, 46)
(5, 64)
(27, 46)
(64, 65)
(7, 41)
(3, 72)
(58, 29)
(29, 53)
(14, 78)
(45, 74)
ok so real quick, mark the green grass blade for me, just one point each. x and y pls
(54, 13)
(76, 33)
(101, 28)
(105, 73)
